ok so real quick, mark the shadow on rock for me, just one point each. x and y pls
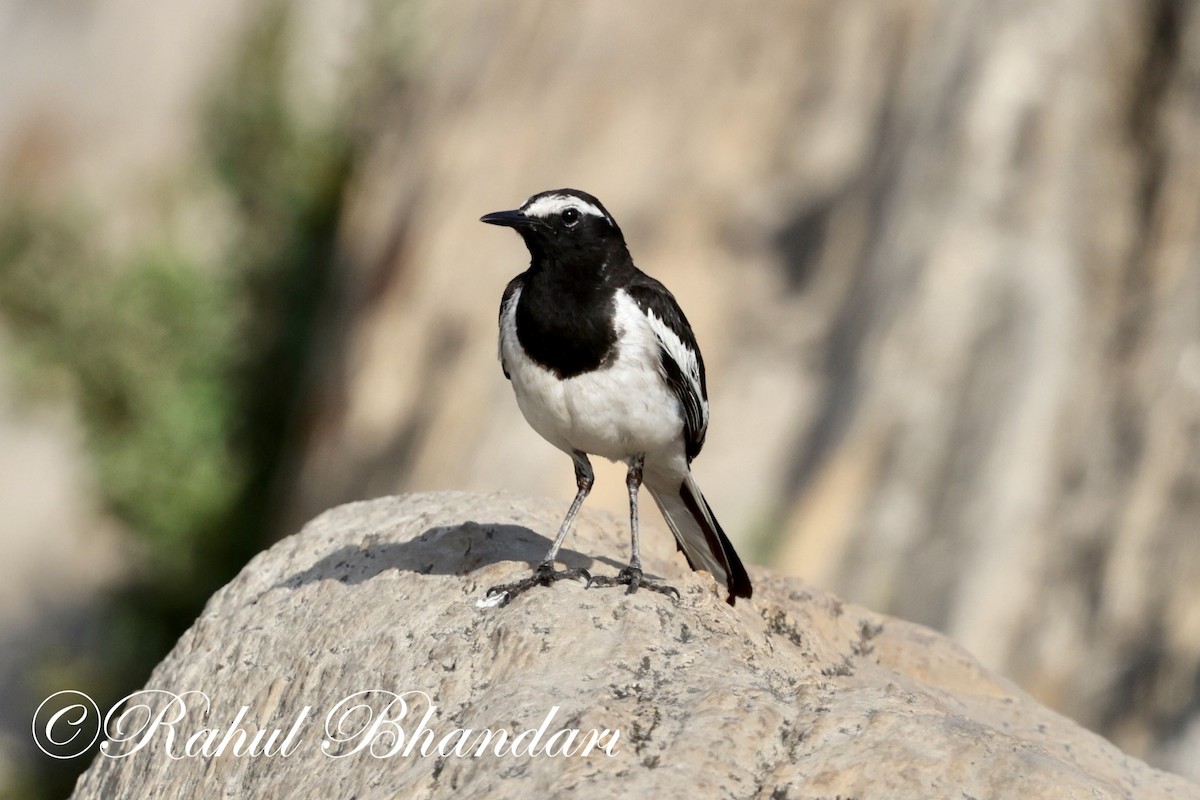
(448, 550)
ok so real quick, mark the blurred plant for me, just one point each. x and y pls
(186, 373)
(146, 346)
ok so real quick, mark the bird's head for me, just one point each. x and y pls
(563, 225)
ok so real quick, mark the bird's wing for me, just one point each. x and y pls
(511, 294)
(682, 365)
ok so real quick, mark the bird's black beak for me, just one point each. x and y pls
(509, 219)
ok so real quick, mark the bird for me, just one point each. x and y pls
(604, 363)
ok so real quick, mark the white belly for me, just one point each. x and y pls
(617, 412)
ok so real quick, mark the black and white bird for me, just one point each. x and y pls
(603, 362)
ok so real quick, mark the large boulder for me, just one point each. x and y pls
(793, 694)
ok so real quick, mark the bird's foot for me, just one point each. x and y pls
(632, 577)
(544, 575)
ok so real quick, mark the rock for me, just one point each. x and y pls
(793, 695)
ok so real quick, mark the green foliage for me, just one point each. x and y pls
(186, 374)
(147, 348)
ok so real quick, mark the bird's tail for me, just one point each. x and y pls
(697, 532)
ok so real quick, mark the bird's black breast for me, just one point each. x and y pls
(566, 326)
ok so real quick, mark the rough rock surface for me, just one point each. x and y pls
(792, 695)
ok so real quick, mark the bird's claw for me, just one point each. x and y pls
(633, 578)
(544, 575)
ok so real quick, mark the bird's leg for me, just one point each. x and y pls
(545, 573)
(584, 478)
(631, 576)
(633, 482)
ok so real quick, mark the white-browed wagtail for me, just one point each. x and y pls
(603, 362)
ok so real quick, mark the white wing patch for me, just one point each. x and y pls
(685, 357)
(555, 204)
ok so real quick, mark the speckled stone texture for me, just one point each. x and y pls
(792, 695)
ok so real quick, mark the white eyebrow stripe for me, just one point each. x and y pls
(557, 203)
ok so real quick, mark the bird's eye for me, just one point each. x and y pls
(570, 216)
